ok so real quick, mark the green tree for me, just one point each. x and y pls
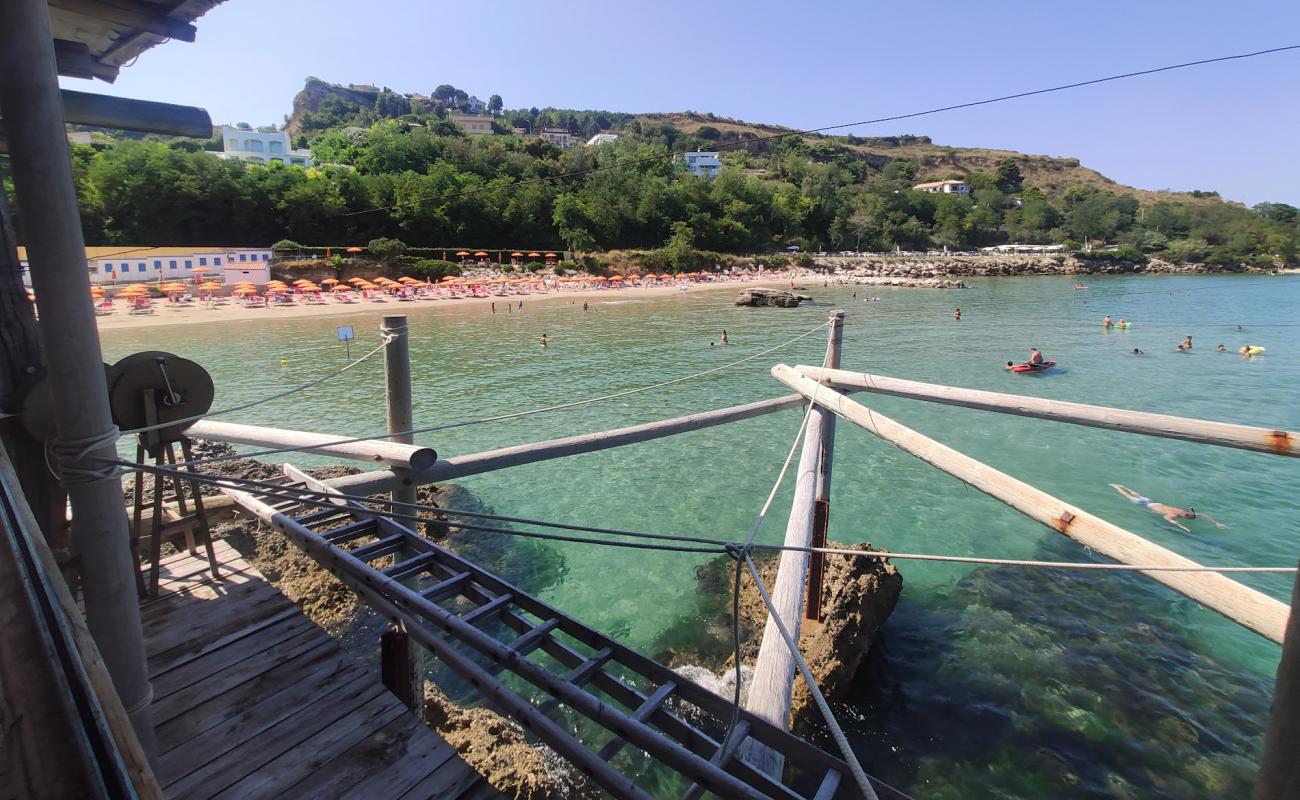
(495, 104)
(1008, 174)
(573, 223)
(387, 250)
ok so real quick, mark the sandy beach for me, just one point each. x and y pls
(199, 312)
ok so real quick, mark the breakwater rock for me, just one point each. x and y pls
(858, 595)
(912, 283)
(942, 265)
(769, 297)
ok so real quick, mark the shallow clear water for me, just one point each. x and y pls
(988, 682)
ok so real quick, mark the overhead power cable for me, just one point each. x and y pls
(808, 131)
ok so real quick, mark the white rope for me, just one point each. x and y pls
(837, 733)
(503, 417)
(245, 406)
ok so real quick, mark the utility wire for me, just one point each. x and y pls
(745, 142)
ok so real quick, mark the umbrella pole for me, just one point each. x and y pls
(42, 170)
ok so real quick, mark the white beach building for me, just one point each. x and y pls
(242, 142)
(127, 264)
(943, 187)
(703, 164)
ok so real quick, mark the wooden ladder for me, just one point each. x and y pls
(480, 626)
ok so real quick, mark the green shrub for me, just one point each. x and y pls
(432, 269)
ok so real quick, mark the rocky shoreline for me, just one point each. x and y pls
(932, 266)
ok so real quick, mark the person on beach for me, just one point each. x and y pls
(1185, 346)
(1138, 352)
(1171, 513)
(724, 336)
(1035, 357)
(1106, 323)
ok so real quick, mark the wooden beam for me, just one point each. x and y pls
(772, 684)
(1244, 437)
(74, 59)
(377, 451)
(1279, 767)
(129, 14)
(1241, 604)
(144, 116)
(368, 483)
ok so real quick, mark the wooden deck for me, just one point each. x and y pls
(253, 700)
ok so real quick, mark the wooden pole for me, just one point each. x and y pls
(397, 394)
(1244, 437)
(393, 453)
(772, 684)
(369, 483)
(146, 116)
(1279, 767)
(47, 196)
(1241, 604)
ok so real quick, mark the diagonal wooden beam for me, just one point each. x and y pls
(141, 16)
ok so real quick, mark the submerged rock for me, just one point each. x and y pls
(768, 297)
(858, 595)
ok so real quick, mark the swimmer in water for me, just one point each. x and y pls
(1185, 345)
(1171, 513)
(1035, 357)
(1220, 349)
(543, 342)
(1106, 323)
(1138, 352)
(724, 336)
(956, 314)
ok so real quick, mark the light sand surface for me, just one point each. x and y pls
(199, 312)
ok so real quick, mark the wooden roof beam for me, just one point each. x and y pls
(129, 14)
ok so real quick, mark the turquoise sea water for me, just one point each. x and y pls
(988, 682)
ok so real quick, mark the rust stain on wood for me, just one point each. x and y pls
(1281, 441)
(1062, 523)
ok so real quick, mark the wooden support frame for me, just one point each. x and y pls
(377, 451)
(1241, 604)
(1221, 434)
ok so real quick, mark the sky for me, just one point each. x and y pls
(1229, 127)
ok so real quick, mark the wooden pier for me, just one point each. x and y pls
(253, 700)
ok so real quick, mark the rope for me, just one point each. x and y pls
(245, 406)
(72, 456)
(838, 733)
(503, 417)
(709, 545)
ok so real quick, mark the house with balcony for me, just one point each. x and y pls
(602, 137)
(703, 164)
(943, 187)
(244, 143)
(560, 137)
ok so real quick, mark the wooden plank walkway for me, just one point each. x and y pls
(253, 700)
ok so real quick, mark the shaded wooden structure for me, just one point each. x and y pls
(253, 700)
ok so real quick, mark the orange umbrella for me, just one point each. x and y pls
(301, 281)
(534, 255)
(632, 276)
(95, 291)
(516, 255)
(451, 279)
(463, 253)
(357, 281)
(550, 255)
(245, 290)
(616, 277)
(330, 281)
(209, 285)
(355, 250)
(309, 287)
(341, 288)
(665, 277)
(480, 254)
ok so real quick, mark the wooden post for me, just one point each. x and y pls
(47, 196)
(1279, 767)
(1253, 609)
(394, 454)
(397, 392)
(1223, 434)
(822, 507)
(772, 684)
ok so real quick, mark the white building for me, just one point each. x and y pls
(943, 187)
(703, 164)
(474, 105)
(560, 137)
(474, 126)
(127, 264)
(601, 138)
(244, 143)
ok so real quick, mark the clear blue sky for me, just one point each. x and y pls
(1230, 127)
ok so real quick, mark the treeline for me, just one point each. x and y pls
(432, 186)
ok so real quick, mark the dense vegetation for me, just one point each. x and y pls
(392, 172)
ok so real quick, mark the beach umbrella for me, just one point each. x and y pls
(665, 277)
(534, 255)
(463, 253)
(355, 250)
(341, 288)
(209, 285)
(480, 254)
(95, 291)
(450, 279)
(616, 277)
(357, 281)
(516, 255)
(632, 276)
(550, 255)
(330, 281)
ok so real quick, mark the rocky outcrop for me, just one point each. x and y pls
(314, 94)
(768, 297)
(911, 283)
(858, 595)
